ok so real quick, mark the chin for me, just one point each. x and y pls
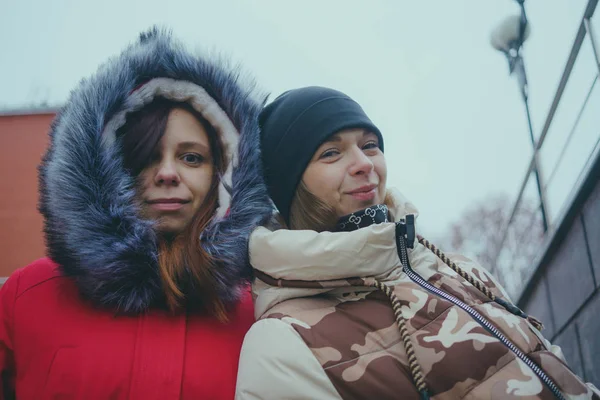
(367, 203)
(169, 228)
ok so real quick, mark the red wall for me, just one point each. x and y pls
(23, 140)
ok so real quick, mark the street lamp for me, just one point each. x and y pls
(508, 37)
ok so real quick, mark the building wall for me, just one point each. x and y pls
(565, 291)
(23, 139)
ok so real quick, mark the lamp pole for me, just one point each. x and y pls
(508, 37)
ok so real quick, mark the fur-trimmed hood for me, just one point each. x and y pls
(92, 225)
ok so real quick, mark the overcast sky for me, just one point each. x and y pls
(452, 118)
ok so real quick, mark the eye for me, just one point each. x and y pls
(329, 153)
(192, 158)
(370, 145)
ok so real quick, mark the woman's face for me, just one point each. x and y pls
(348, 171)
(178, 177)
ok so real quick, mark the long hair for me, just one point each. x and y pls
(186, 269)
(307, 211)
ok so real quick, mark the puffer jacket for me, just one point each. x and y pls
(90, 321)
(376, 314)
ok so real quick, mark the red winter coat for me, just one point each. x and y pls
(53, 344)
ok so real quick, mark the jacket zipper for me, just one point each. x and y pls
(487, 325)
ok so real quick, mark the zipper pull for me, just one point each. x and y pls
(410, 231)
(400, 231)
(401, 243)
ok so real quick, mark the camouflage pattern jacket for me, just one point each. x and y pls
(323, 333)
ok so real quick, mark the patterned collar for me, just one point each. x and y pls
(376, 214)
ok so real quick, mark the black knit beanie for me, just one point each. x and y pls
(293, 127)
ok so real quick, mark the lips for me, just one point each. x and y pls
(364, 193)
(363, 189)
(170, 204)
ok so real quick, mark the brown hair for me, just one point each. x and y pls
(309, 212)
(184, 266)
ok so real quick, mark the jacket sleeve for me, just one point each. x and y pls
(7, 366)
(275, 363)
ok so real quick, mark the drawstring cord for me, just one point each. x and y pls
(415, 367)
(477, 284)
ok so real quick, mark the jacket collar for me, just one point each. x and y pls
(331, 258)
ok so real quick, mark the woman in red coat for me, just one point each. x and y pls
(149, 190)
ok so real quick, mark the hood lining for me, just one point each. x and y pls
(202, 102)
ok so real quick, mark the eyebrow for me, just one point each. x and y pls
(337, 138)
(192, 145)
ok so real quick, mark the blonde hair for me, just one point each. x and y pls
(307, 211)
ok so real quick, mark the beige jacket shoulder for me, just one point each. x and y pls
(276, 364)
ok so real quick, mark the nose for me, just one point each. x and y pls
(361, 164)
(167, 174)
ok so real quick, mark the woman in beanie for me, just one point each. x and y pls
(351, 303)
(149, 191)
